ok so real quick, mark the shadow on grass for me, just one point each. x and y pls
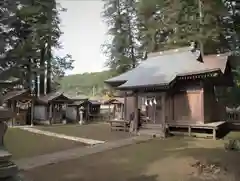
(228, 161)
(144, 178)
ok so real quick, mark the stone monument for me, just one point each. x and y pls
(81, 121)
(8, 170)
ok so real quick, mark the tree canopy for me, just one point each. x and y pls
(160, 25)
(29, 34)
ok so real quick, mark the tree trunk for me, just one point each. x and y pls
(49, 69)
(42, 75)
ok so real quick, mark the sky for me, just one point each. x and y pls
(84, 32)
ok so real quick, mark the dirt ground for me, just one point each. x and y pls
(173, 159)
(98, 131)
(22, 144)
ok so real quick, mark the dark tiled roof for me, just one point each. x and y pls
(13, 94)
(49, 97)
(79, 103)
(162, 69)
(76, 97)
(94, 102)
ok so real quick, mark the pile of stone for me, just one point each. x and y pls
(206, 170)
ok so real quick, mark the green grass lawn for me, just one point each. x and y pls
(99, 131)
(232, 135)
(156, 160)
(23, 144)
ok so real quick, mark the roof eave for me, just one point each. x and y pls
(160, 86)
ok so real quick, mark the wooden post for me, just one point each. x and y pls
(88, 111)
(163, 118)
(114, 111)
(50, 113)
(78, 115)
(134, 125)
(214, 134)
(202, 103)
(122, 111)
(109, 112)
(53, 114)
(125, 106)
(12, 107)
(189, 130)
(32, 112)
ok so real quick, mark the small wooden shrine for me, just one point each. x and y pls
(94, 108)
(115, 107)
(177, 88)
(21, 103)
(73, 111)
(90, 109)
(50, 108)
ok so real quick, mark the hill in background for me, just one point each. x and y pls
(89, 84)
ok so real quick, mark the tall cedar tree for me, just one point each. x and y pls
(35, 32)
(122, 49)
(173, 23)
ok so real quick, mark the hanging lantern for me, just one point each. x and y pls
(154, 101)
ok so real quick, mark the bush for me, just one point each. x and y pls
(233, 145)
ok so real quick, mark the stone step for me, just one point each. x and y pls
(152, 132)
(4, 155)
(8, 170)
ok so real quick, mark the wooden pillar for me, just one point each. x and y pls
(163, 117)
(109, 112)
(202, 103)
(78, 115)
(134, 123)
(32, 112)
(214, 134)
(54, 113)
(125, 106)
(114, 111)
(88, 111)
(122, 111)
(12, 108)
(49, 110)
(52, 110)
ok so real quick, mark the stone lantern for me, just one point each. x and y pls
(81, 111)
(8, 170)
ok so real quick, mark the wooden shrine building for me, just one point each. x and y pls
(177, 89)
(90, 108)
(116, 107)
(73, 110)
(50, 108)
(21, 103)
